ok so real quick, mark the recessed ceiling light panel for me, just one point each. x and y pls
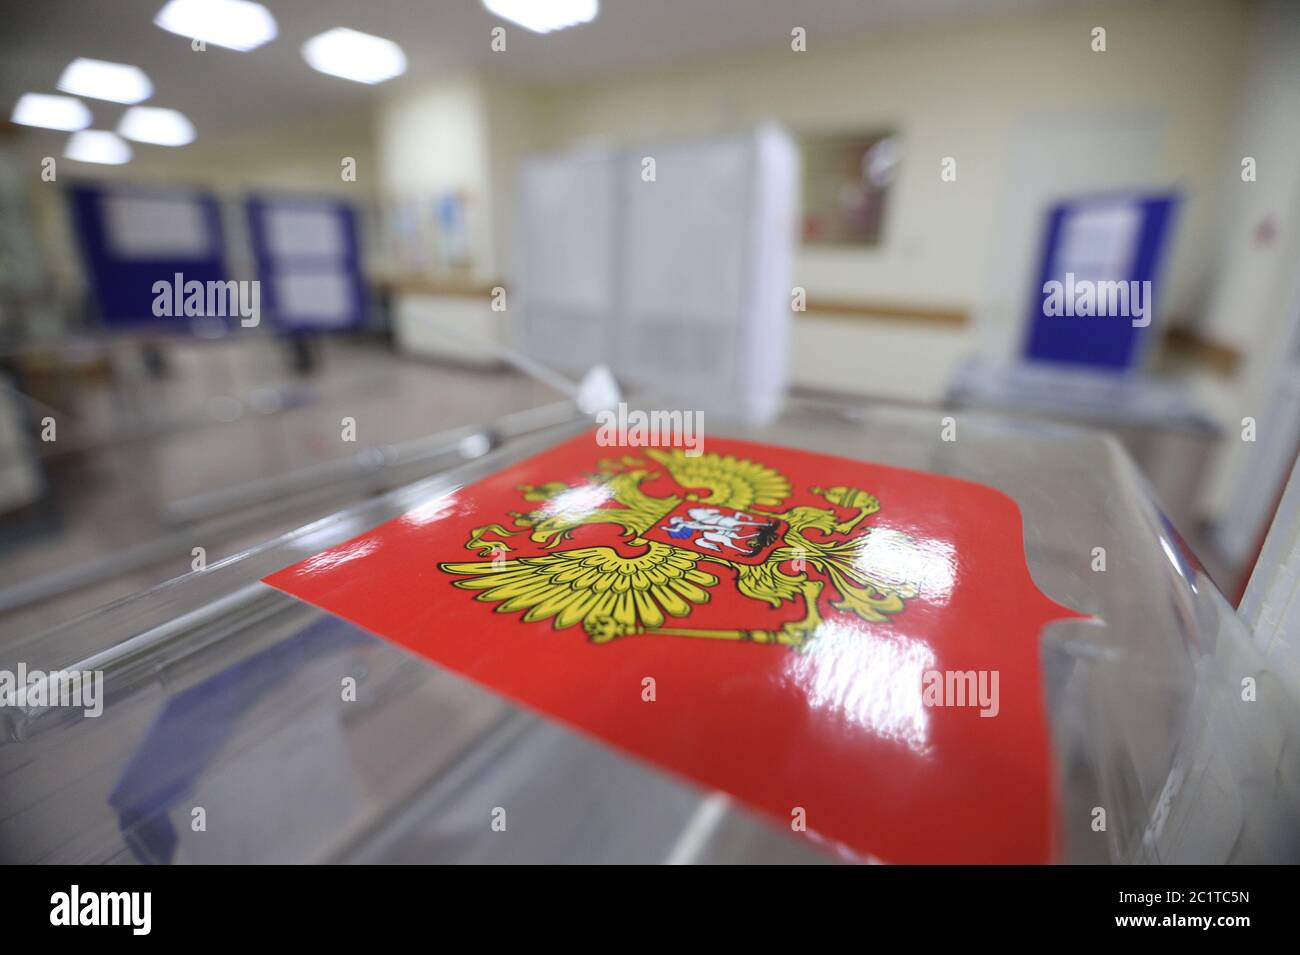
(162, 127)
(99, 146)
(234, 24)
(544, 16)
(51, 112)
(355, 56)
(99, 79)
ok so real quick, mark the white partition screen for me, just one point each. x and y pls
(670, 263)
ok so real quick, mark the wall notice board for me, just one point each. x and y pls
(1089, 241)
(308, 258)
(132, 236)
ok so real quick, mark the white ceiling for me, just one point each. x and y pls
(224, 90)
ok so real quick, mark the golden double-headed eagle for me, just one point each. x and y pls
(615, 594)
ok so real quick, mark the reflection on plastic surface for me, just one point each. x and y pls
(431, 512)
(336, 556)
(893, 556)
(816, 636)
(191, 729)
(874, 681)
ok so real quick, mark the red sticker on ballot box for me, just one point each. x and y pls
(843, 646)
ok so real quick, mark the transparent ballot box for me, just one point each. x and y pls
(225, 738)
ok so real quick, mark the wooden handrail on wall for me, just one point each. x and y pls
(832, 308)
(452, 287)
(884, 311)
(1179, 341)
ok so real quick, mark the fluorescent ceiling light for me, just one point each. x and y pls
(99, 79)
(96, 145)
(162, 127)
(51, 112)
(355, 56)
(543, 16)
(234, 24)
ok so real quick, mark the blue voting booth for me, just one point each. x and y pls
(132, 237)
(1083, 367)
(1089, 241)
(308, 257)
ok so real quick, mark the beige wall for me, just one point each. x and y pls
(962, 92)
(1256, 296)
(435, 140)
(464, 134)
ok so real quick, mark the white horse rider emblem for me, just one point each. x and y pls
(708, 528)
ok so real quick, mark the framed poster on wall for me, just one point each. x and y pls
(846, 182)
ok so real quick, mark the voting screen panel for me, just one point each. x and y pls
(133, 237)
(308, 258)
(1098, 293)
(566, 258)
(671, 263)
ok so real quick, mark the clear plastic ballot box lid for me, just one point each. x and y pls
(239, 724)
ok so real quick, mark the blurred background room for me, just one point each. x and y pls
(444, 205)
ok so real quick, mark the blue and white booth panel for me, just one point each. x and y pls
(308, 257)
(305, 298)
(1098, 285)
(133, 237)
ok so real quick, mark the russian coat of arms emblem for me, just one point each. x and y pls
(721, 513)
